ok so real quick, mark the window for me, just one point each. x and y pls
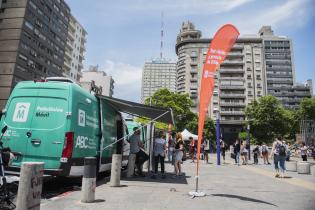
(22, 57)
(29, 25)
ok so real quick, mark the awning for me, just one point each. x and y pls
(159, 114)
(186, 134)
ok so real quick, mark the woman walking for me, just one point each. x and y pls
(244, 153)
(279, 154)
(179, 152)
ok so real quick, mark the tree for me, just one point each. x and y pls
(306, 110)
(268, 119)
(209, 130)
(179, 103)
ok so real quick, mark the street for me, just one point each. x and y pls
(227, 187)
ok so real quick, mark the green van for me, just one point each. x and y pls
(59, 123)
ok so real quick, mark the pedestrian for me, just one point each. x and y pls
(222, 149)
(244, 153)
(171, 148)
(279, 154)
(159, 154)
(237, 149)
(206, 146)
(303, 150)
(192, 149)
(135, 147)
(256, 152)
(288, 149)
(179, 153)
(264, 153)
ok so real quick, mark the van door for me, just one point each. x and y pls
(48, 128)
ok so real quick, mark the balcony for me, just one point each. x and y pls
(71, 36)
(232, 113)
(193, 63)
(193, 80)
(193, 96)
(66, 66)
(193, 72)
(82, 49)
(232, 87)
(193, 88)
(232, 122)
(233, 62)
(232, 78)
(229, 104)
(231, 70)
(224, 95)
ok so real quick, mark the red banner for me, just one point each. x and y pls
(220, 46)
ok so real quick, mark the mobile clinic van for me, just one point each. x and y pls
(59, 123)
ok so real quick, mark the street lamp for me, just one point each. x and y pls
(248, 140)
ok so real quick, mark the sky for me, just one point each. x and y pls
(123, 34)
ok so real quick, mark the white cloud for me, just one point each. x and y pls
(127, 79)
(292, 13)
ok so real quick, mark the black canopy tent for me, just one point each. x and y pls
(159, 114)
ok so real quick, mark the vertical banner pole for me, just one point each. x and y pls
(220, 46)
(218, 140)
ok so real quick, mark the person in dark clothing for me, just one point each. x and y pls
(237, 149)
(256, 152)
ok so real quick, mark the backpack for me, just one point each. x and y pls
(264, 149)
(282, 150)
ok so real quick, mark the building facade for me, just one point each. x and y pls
(93, 77)
(157, 74)
(244, 75)
(280, 70)
(33, 36)
(75, 48)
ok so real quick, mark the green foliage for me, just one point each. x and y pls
(209, 131)
(268, 119)
(180, 104)
(307, 109)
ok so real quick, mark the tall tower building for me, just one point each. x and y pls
(157, 74)
(33, 35)
(280, 70)
(75, 48)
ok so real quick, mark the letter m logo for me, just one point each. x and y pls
(21, 112)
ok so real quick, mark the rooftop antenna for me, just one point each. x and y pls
(162, 34)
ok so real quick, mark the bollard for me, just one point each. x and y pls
(313, 170)
(115, 171)
(291, 166)
(30, 186)
(131, 165)
(89, 180)
(303, 168)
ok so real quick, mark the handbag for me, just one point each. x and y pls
(142, 156)
(233, 155)
(184, 156)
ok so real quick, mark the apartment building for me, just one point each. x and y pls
(247, 73)
(157, 74)
(75, 48)
(280, 70)
(33, 36)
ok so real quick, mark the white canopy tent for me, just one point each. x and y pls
(186, 134)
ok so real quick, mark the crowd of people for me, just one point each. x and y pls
(175, 150)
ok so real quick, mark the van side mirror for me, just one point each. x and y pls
(4, 129)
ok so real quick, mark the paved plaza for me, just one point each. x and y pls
(227, 187)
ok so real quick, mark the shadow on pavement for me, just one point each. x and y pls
(169, 179)
(243, 198)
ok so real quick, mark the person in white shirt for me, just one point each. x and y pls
(159, 154)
